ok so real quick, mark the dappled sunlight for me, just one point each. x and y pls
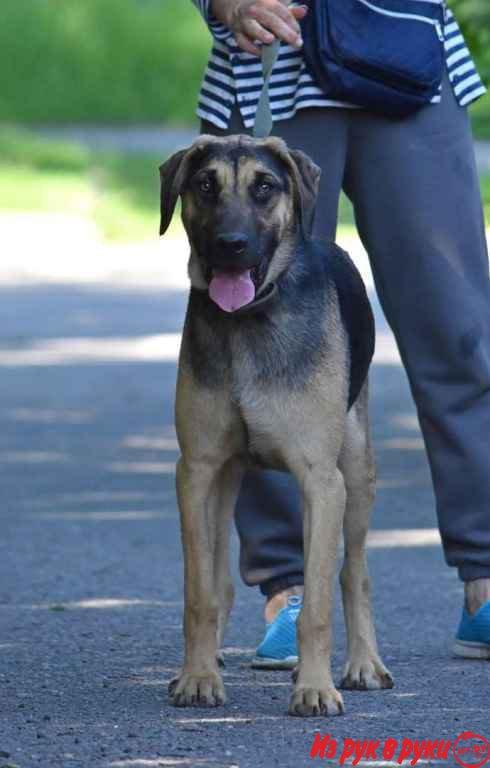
(100, 497)
(171, 762)
(162, 347)
(238, 683)
(33, 457)
(226, 720)
(409, 537)
(237, 651)
(142, 442)
(166, 762)
(155, 683)
(392, 764)
(404, 695)
(158, 670)
(142, 467)
(402, 444)
(106, 603)
(386, 352)
(413, 480)
(35, 248)
(51, 416)
(96, 517)
(406, 421)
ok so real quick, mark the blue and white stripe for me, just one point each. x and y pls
(235, 76)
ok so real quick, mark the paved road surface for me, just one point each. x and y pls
(90, 562)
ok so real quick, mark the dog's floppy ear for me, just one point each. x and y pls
(171, 177)
(305, 176)
(307, 181)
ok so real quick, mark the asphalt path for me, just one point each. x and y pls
(91, 569)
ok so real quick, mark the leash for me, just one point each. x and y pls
(263, 115)
(262, 129)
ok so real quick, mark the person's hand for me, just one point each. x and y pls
(260, 21)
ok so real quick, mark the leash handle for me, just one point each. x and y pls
(263, 115)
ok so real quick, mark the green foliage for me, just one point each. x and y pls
(24, 149)
(474, 17)
(130, 60)
(118, 191)
(100, 60)
(480, 116)
(485, 190)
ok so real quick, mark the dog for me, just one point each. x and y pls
(273, 371)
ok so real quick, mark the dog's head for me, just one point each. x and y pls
(245, 202)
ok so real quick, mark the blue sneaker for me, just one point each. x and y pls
(278, 649)
(473, 636)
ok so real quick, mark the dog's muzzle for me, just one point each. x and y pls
(234, 272)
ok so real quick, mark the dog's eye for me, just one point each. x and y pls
(205, 186)
(265, 187)
(263, 190)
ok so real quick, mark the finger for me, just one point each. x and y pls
(255, 31)
(275, 10)
(299, 11)
(283, 11)
(246, 45)
(278, 27)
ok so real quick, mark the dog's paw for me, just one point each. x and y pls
(312, 702)
(197, 690)
(366, 675)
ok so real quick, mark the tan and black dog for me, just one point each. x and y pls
(277, 343)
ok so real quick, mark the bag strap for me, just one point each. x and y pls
(263, 115)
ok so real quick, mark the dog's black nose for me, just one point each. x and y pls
(232, 243)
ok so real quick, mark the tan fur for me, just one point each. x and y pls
(225, 174)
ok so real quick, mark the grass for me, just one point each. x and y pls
(480, 118)
(100, 60)
(485, 188)
(119, 192)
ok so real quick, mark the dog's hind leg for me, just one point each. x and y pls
(364, 669)
(200, 682)
(225, 496)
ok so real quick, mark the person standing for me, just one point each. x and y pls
(414, 187)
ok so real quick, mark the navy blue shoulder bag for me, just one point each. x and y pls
(386, 56)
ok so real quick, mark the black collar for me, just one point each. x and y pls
(261, 303)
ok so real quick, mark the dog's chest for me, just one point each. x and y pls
(261, 389)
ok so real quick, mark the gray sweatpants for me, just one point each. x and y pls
(414, 187)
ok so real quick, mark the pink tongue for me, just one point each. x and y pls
(231, 290)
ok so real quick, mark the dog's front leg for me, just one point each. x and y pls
(324, 504)
(199, 682)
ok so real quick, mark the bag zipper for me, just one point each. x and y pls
(397, 81)
(361, 68)
(413, 16)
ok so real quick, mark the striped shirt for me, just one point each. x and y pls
(233, 76)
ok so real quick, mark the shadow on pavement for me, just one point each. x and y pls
(90, 561)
